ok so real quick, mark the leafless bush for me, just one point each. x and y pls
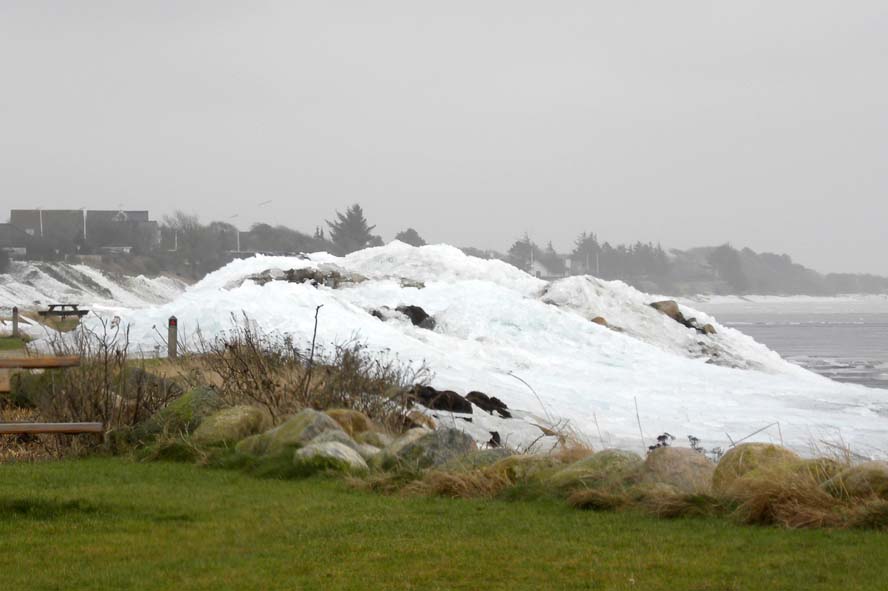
(271, 371)
(106, 387)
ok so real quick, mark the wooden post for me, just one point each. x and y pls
(172, 338)
(15, 322)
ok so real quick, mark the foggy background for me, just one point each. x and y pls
(759, 123)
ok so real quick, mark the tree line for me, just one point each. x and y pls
(191, 248)
(196, 249)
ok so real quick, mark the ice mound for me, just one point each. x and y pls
(496, 324)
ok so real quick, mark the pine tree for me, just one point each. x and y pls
(350, 231)
(411, 237)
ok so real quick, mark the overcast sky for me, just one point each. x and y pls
(761, 123)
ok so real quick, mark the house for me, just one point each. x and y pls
(550, 267)
(14, 240)
(80, 230)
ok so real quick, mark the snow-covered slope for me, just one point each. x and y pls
(38, 284)
(496, 324)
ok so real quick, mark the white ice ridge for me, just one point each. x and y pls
(496, 324)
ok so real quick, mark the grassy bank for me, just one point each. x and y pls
(104, 523)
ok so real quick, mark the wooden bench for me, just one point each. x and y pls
(42, 428)
(50, 428)
(64, 311)
(51, 362)
(7, 363)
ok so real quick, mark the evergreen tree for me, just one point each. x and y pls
(728, 266)
(350, 231)
(523, 252)
(586, 249)
(411, 237)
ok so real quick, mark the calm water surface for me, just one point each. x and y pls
(847, 347)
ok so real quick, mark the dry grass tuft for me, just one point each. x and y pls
(572, 452)
(784, 496)
(477, 484)
(872, 514)
(599, 500)
(677, 505)
(387, 483)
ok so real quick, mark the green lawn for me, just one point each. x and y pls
(11, 344)
(111, 524)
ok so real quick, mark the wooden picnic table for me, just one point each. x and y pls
(64, 310)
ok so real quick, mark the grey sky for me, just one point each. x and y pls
(690, 123)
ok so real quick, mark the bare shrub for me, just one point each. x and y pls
(106, 387)
(271, 371)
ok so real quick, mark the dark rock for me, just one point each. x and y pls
(670, 308)
(327, 275)
(495, 440)
(489, 404)
(600, 320)
(417, 316)
(441, 399)
(436, 448)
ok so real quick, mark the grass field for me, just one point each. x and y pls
(108, 523)
(11, 344)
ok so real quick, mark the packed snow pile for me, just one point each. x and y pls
(35, 284)
(532, 345)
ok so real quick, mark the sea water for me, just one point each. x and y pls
(844, 347)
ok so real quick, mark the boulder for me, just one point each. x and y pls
(415, 418)
(351, 421)
(680, 467)
(490, 404)
(745, 458)
(385, 314)
(526, 468)
(325, 274)
(374, 438)
(671, 309)
(406, 439)
(183, 414)
(230, 425)
(436, 448)
(336, 452)
(478, 459)
(368, 452)
(254, 445)
(609, 467)
(600, 320)
(441, 399)
(337, 436)
(418, 316)
(861, 481)
(819, 470)
(296, 431)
